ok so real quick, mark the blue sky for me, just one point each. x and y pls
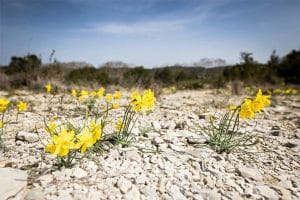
(148, 32)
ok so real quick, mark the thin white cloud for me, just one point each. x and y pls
(168, 22)
(153, 26)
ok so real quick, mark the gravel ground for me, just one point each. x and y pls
(165, 162)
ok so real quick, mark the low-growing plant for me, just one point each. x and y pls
(227, 135)
(3, 107)
(68, 140)
(139, 103)
(22, 107)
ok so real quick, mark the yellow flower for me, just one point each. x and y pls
(85, 140)
(143, 103)
(3, 104)
(48, 88)
(232, 107)
(173, 88)
(119, 125)
(117, 95)
(100, 92)
(247, 109)
(22, 106)
(288, 91)
(83, 94)
(96, 130)
(51, 127)
(260, 101)
(136, 101)
(109, 97)
(148, 100)
(248, 88)
(62, 143)
(277, 91)
(74, 93)
(1, 124)
(115, 106)
(94, 93)
(294, 91)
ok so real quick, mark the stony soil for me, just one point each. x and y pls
(169, 159)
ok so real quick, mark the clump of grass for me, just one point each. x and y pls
(226, 136)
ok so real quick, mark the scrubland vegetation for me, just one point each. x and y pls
(29, 72)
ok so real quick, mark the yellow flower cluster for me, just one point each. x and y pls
(67, 140)
(83, 94)
(3, 104)
(250, 107)
(62, 143)
(100, 92)
(117, 95)
(167, 90)
(74, 93)
(22, 106)
(88, 137)
(110, 97)
(143, 102)
(288, 91)
(48, 88)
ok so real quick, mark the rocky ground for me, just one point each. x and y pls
(169, 159)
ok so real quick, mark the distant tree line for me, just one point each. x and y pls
(28, 71)
(276, 71)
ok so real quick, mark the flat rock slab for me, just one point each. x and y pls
(12, 182)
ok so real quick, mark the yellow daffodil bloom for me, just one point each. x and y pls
(136, 101)
(119, 125)
(117, 95)
(294, 92)
(94, 93)
(148, 100)
(62, 143)
(22, 106)
(85, 140)
(143, 103)
(115, 106)
(48, 88)
(74, 93)
(109, 97)
(100, 92)
(51, 127)
(96, 130)
(288, 91)
(248, 88)
(173, 88)
(3, 104)
(247, 109)
(83, 94)
(277, 91)
(1, 124)
(232, 107)
(260, 101)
